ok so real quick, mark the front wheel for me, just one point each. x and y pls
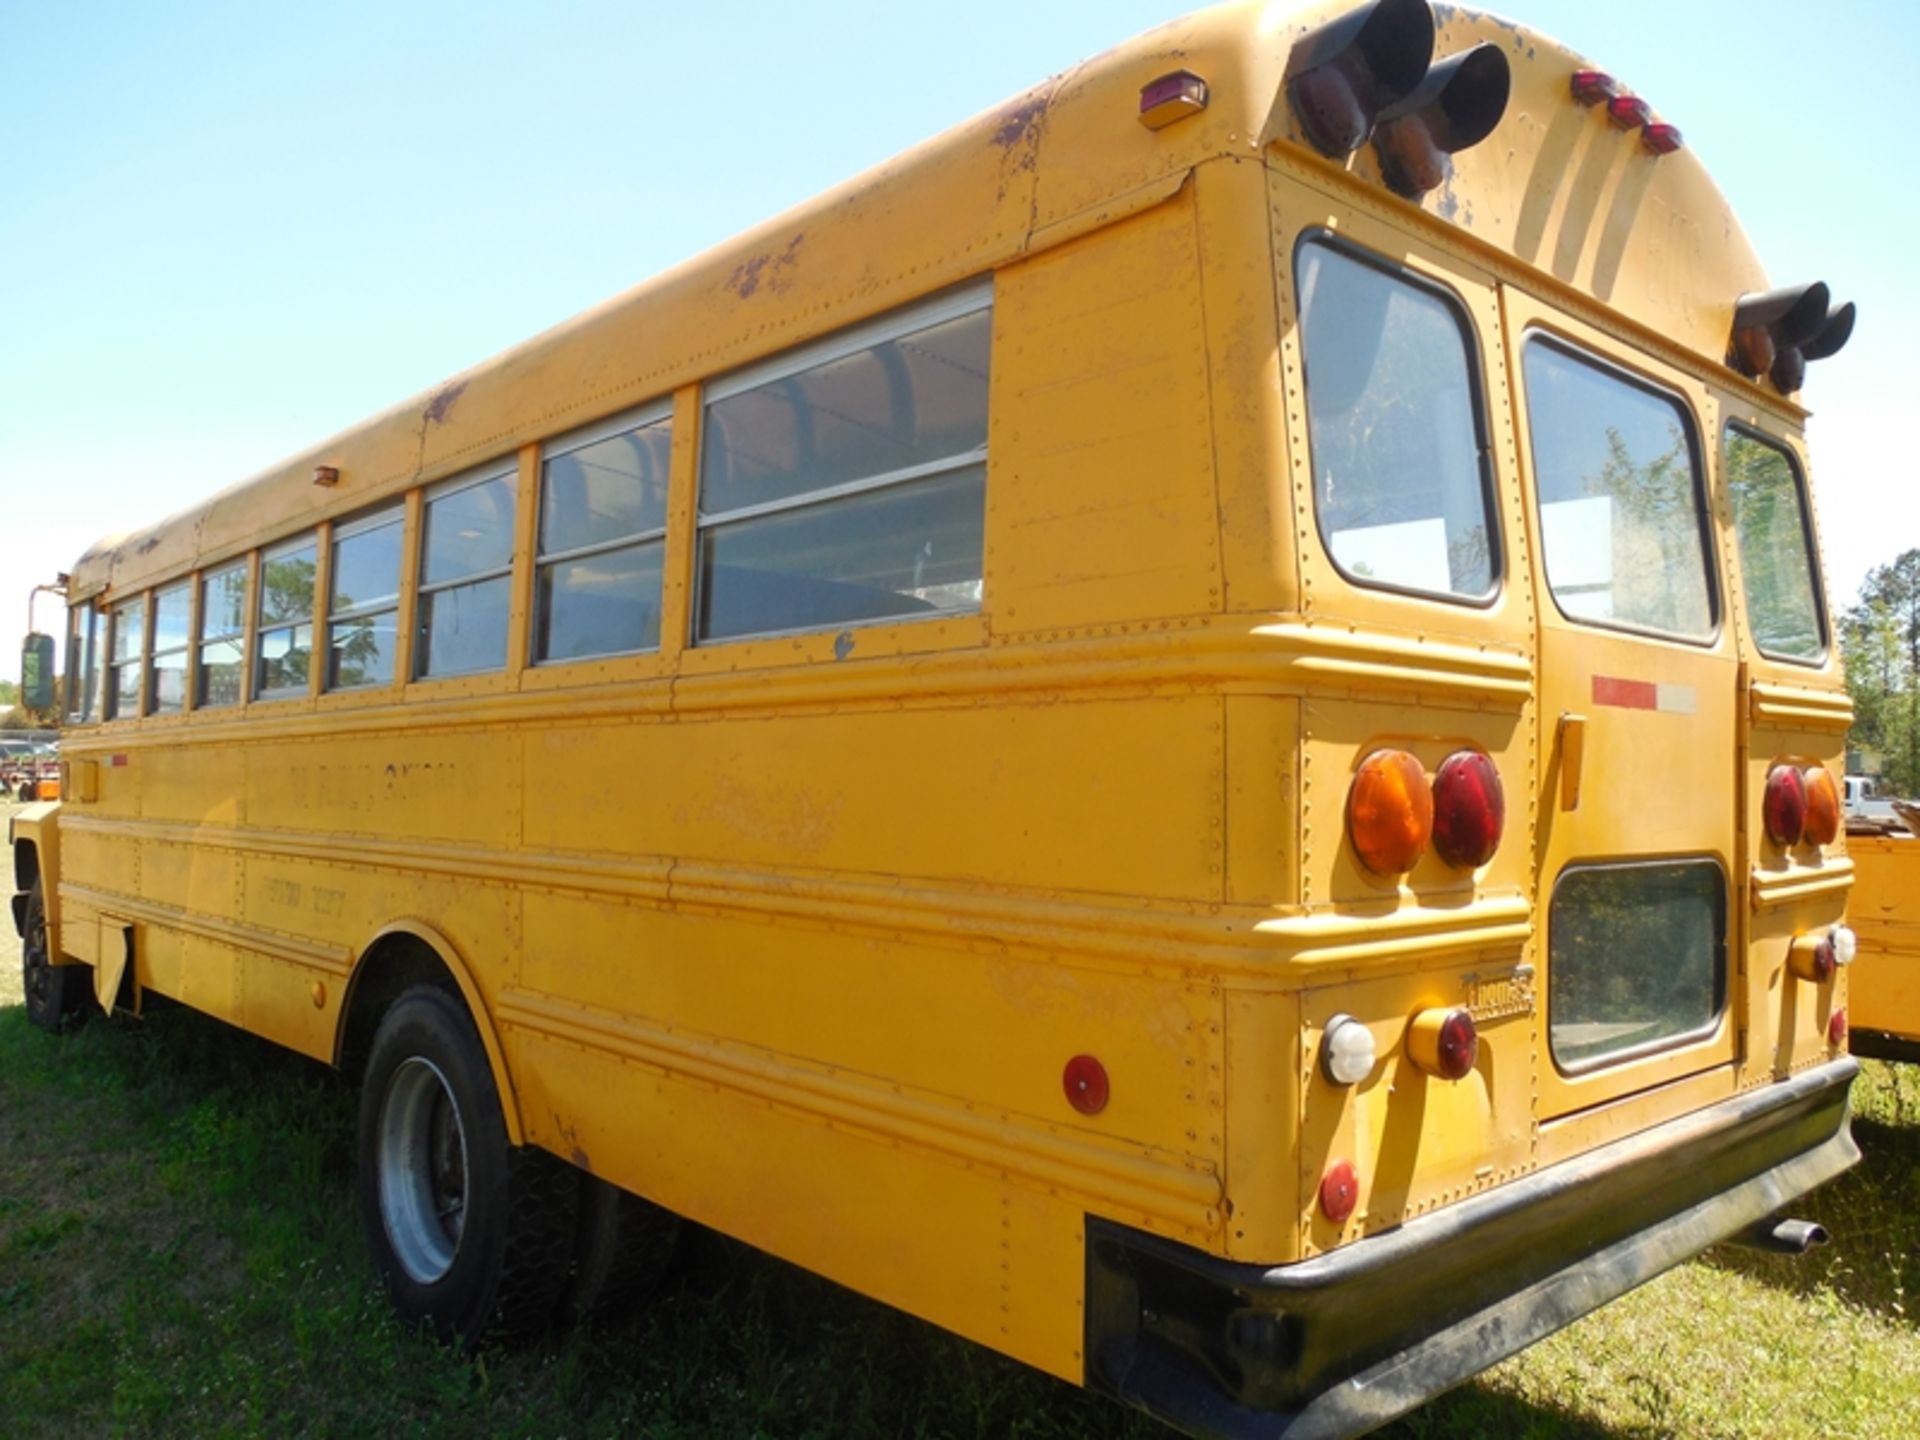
(470, 1234)
(58, 996)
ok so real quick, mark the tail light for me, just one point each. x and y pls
(1784, 806)
(1390, 812)
(1823, 805)
(1469, 809)
(1444, 1043)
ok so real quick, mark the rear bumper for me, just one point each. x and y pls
(1341, 1343)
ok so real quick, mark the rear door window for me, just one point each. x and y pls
(1777, 570)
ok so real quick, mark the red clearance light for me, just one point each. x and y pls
(1085, 1082)
(1172, 97)
(1823, 806)
(1469, 809)
(1444, 1043)
(1784, 807)
(1661, 139)
(1628, 112)
(1590, 87)
(1837, 1029)
(1390, 812)
(1339, 1191)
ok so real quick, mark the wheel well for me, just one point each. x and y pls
(393, 965)
(26, 865)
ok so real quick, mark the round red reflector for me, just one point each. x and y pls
(1086, 1084)
(1390, 812)
(1823, 806)
(1469, 809)
(1339, 1191)
(1837, 1029)
(1784, 806)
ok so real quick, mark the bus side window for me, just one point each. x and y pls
(848, 482)
(223, 628)
(1776, 549)
(363, 610)
(603, 525)
(283, 649)
(172, 618)
(123, 670)
(466, 570)
(1400, 483)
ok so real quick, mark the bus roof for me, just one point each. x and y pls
(1583, 211)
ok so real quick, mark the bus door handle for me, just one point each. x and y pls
(1573, 746)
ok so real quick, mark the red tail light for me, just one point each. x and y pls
(1469, 809)
(1339, 1191)
(1784, 807)
(1812, 957)
(1390, 812)
(1823, 806)
(1444, 1043)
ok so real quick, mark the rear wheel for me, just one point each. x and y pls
(470, 1234)
(58, 996)
(622, 1247)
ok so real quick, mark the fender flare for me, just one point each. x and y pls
(449, 956)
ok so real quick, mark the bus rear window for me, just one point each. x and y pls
(1622, 524)
(1400, 484)
(1636, 957)
(1776, 549)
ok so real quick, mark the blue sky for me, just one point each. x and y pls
(228, 231)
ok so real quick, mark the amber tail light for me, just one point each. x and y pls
(1390, 812)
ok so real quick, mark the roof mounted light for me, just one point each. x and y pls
(1590, 87)
(1628, 112)
(1456, 105)
(1341, 75)
(1172, 97)
(1777, 332)
(1659, 138)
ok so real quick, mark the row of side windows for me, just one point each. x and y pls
(840, 484)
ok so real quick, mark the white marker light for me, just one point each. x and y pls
(1346, 1051)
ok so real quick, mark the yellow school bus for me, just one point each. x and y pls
(1189, 731)
(1884, 1000)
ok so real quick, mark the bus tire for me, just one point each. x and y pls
(58, 996)
(622, 1246)
(471, 1235)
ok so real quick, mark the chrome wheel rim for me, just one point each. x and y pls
(423, 1170)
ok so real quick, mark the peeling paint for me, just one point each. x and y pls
(843, 645)
(441, 406)
(771, 268)
(1020, 122)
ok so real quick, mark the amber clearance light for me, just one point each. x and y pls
(1823, 805)
(1390, 812)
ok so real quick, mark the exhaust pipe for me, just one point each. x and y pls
(1782, 1237)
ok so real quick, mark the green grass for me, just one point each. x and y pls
(179, 1255)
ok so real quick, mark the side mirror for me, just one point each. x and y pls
(36, 672)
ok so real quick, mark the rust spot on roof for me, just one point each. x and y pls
(441, 406)
(1019, 123)
(774, 270)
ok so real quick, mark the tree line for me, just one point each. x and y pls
(1880, 642)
